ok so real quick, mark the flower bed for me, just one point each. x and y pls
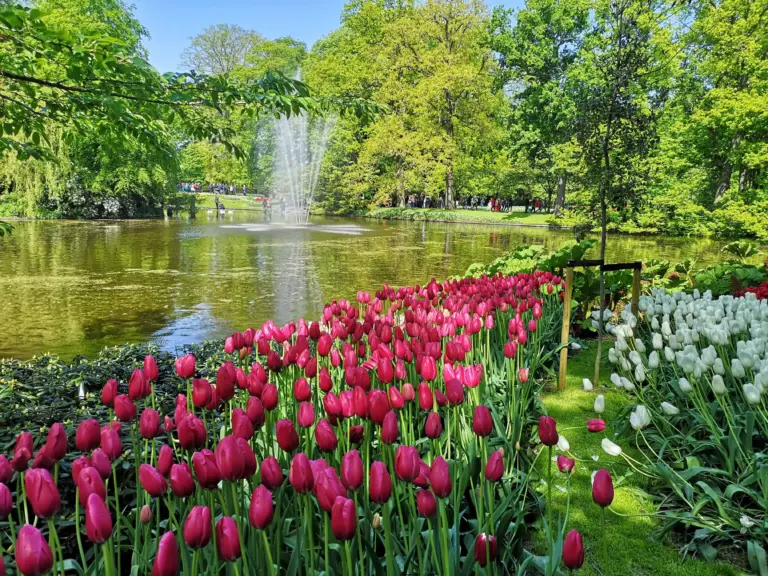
(697, 369)
(392, 436)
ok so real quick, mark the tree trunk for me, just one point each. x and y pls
(745, 179)
(560, 198)
(449, 188)
(726, 171)
(400, 186)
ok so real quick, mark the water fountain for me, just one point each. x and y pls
(301, 145)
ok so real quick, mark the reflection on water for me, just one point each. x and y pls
(74, 287)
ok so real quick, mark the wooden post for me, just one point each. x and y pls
(636, 293)
(566, 327)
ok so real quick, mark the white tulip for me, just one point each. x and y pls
(640, 417)
(718, 386)
(718, 367)
(746, 522)
(627, 384)
(625, 365)
(635, 358)
(669, 354)
(587, 384)
(653, 360)
(685, 386)
(640, 346)
(610, 448)
(612, 357)
(616, 379)
(751, 393)
(562, 444)
(600, 404)
(658, 341)
(737, 368)
(640, 373)
(669, 409)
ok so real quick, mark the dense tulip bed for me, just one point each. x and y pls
(392, 436)
(697, 368)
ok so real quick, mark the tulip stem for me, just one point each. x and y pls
(77, 530)
(239, 530)
(269, 553)
(325, 543)
(349, 559)
(388, 539)
(107, 564)
(549, 489)
(444, 538)
(434, 547)
(20, 481)
(309, 532)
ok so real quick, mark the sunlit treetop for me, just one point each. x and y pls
(94, 81)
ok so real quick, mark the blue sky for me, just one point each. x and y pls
(171, 23)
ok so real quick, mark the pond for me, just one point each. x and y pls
(72, 287)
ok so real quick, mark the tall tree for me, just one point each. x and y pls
(220, 49)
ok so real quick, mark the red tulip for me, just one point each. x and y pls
(425, 397)
(182, 484)
(482, 422)
(185, 366)
(378, 406)
(352, 470)
(108, 393)
(324, 380)
(88, 435)
(426, 503)
(78, 465)
(301, 390)
(138, 386)
(168, 425)
(167, 557)
(602, 488)
(42, 492)
(428, 368)
(422, 479)
(485, 544)
(522, 375)
(98, 521)
(287, 437)
(306, 415)
(269, 397)
(226, 377)
(356, 434)
(548, 431)
(344, 518)
(150, 368)
(573, 550)
(596, 425)
(262, 509)
(409, 395)
(20, 460)
(6, 472)
(406, 463)
(197, 527)
(271, 473)
(165, 460)
(89, 481)
(433, 427)
(192, 433)
(389, 429)
(149, 424)
(33, 555)
(111, 443)
(396, 400)
(227, 539)
(380, 483)
(327, 488)
(6, 501)
(360, 402)
(494, 469)
(454, 391)
(249, 458)
(324, 344)
(300, 474)
(145, 516)
(206, 470)
(325, 436)
(440, 478)
(201, 392)
(254, 409)
(125, 409)
(242, 427)
(565, 464)
(510, 349)
(152, 481)
(56, 444)
(229, 459)
(102, 463)
(43, 460)
(384, 370)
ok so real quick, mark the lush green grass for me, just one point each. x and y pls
(205, 202)
(480, 216)
(626, 547)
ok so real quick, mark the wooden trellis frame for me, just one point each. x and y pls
(565, 333)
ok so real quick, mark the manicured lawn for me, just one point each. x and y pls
(205, 202)
(482, 215)
(626, 547)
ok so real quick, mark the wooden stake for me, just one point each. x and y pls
(636, 292)
(566, 327)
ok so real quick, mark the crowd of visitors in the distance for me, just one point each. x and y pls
(474, 202)
(213, 188)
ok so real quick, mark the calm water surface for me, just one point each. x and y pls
(73, 287)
